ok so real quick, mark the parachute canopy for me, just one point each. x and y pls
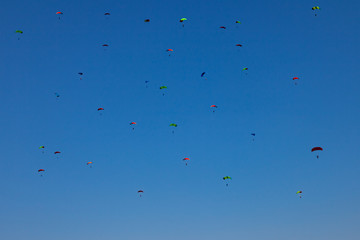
(183, 19)
(80, 73)
(132, 123)
(42, 147)
(253, 134)
(203, 74)
(41, 170)
(186, 159)
(173, 125)
(223, 27)
(59, 13)
(298, 192)
(57, 152)
(100, 109)
(227, 177)
(316, 149)
(245, 69)
(213, 106)
(88, 163)
(237, 22)
(295, 78)
(105, 45)
(169, 50)
(19, 31)
(163, 87)
(147, 20)
(107, 14)
(140, 191)
(238, 45)
(315, 8)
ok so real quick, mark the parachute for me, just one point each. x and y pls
(20, 32)
(186, 159)
(132, 124)
(226, 179)
(100, 109)
(42, 147)
(214, 107)
(57, 152)
(57, 95)
(182, 21)
(40, 171)
(316, 8)
(299, 192)
(238, 22)
(222, 27)
(316, 149)
(238, 45)
(81, 74)
(245, 69)
(140, 192)
(253, 134)
(169, 51)
(162, 88)
(202, 74)
(107, 14)
(89, 164)
(294, 79)
(59, 13)
(147, 20)
(173, 125)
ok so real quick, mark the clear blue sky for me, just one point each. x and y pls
(281, 40)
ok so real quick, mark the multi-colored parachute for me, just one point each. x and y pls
(169, 50)
(89, 164)
(214, 107)
(133, 124)
(227, 179)
(245, 69)
(182, 20)
(315, 8)
(299, 192)
(316, 149)
(186, 160)
(42, 147)
(59, 14)
(173, 125)
(238, 22)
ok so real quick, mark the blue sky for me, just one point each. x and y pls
(281, 40)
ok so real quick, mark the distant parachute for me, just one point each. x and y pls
(226, 179)
(19, 32)
(295, 80)
(214, 107)
(57, 95)
(238, 45)
(299, 192)
(317, 149)
(42, 147)
(316, 8)
(59, 14)
(238, 22)
(223, 27)
(253, 134)
(162, 88)
(169, 51)
(40, 171)
(182, 20)
(186, 160)
(132, 124)
(81, 74)
(100, 109)
(245, 69)
(57, 152)
(173, 125)
(147, 20)
(140, 192)
(89, 164)
(107, 14)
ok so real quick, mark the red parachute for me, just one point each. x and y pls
(57, 152)
(100, 109)
(238, 45)
(140, 192)
(316, 149)
(186, 159)
(223, 27)
(41, 170)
